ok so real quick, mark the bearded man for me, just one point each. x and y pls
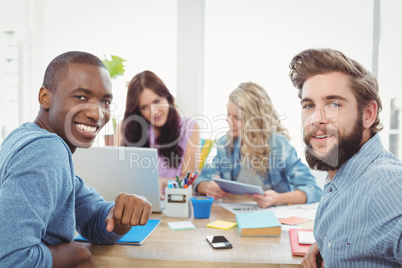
(358, 222)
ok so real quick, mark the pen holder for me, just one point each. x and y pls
(178, 202)
(202, 206)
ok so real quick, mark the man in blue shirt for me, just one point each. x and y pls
(42, 201)
(358, 222)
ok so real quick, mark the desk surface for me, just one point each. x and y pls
(167, 248)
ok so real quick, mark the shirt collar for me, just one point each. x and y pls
(352, 169)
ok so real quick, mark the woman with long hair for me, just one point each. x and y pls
(152, 120)
(256, 150)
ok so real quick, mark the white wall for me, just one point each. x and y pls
(244, 40)
(255, 40)
(390, 58)
(12, 19)
(141, 32)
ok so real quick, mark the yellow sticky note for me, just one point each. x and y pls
(225, 225)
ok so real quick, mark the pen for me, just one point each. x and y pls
(193, 178)
(178, 181)
(188, 175)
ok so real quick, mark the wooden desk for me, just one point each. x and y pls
(188, 248)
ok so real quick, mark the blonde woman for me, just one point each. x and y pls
(257, 151)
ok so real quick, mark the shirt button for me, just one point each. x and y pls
(329, 245)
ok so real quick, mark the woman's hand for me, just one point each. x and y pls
(270, 198)
(163, 183)
(213, 190)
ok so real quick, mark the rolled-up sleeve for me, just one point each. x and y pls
(297, 173)
(219, 166)
(91, 211)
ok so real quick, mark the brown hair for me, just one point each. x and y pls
(364, 85)
(136, 127)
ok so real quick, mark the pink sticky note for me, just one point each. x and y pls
(292, 220)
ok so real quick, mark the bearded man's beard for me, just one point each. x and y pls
(347, 146)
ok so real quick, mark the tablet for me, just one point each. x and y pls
(235, 187)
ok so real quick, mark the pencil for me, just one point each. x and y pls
(178, 181)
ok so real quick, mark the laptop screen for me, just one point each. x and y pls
(112, 170)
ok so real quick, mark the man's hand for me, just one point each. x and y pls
(268, 199)
(129, 210)
(72, 254)
(313, 257)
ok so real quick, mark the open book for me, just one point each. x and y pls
(136, 236)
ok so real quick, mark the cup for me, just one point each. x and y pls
(202, 206)
(178, 202)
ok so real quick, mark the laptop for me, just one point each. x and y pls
(112, 170)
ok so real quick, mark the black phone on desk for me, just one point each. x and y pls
(219, 242)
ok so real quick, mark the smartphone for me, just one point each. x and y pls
(219, 242)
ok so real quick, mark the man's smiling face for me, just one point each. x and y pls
(80, 105)
(332, 123)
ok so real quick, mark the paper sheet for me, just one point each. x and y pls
(181, 225)
(293, 220)
(284, 211)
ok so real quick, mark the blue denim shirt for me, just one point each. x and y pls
(286, 171)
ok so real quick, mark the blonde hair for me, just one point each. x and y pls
(260, 122)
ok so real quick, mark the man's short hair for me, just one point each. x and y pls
(57, 70)
(364, 85)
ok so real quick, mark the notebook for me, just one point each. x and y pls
(297, 248)
(259, 223)
(136, 236)
(112, 170)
